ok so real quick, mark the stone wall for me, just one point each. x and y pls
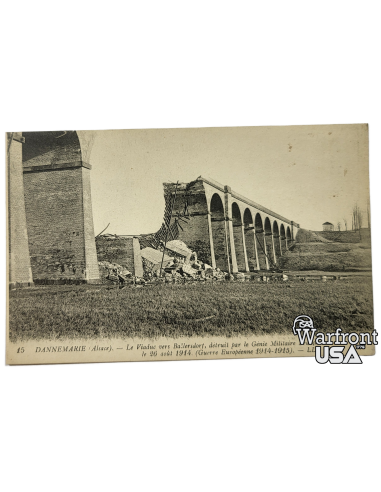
(122, 251)
(194, 232)
(58, 208)
(54, 212)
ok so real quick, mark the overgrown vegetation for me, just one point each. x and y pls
(203, 250)
(232, 308)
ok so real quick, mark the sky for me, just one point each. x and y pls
(309, 174)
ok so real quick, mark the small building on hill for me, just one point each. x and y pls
(327, 226)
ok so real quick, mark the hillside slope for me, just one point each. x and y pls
(346, 236)
(328, 256)
(306, 236)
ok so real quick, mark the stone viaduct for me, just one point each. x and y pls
(50, 221)
(239, 234)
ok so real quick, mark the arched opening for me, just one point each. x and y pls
(288, 235)
(268, 226)
(219, 232)
(269, 241)
(260, 241)
(283, 238)
(238, 237)
(249, 239)
(276, 238)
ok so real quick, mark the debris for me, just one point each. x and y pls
(189, 270)
(154, 256)
(178, 247)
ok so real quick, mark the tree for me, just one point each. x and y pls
(359, 221)
(345, 224)
(357, 218)
(368, 214)
(338, 226)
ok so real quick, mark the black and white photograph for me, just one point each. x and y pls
(186, 243)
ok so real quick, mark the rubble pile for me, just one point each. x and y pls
(112, 271)
(183, 267)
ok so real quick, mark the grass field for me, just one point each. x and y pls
(328, 256)
(225, 308)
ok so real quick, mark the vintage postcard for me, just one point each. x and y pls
(198, 243)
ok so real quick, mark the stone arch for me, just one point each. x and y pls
(276, 237)
(269, 241)
(217, 213)
(288, 233)
(260, 238)
(267, 226)
(282, 233)
(238, 236)
(57, 147)
(258, 223)
(217, 206)
(249, 239)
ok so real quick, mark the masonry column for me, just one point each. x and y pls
(229, 220)
(265, 248)
(256, 250)
(286, 243)
(211, 241)
(227, 246)
(273, 243)
(244, 248)
(280, 245)
(20, 272)
(58, 208)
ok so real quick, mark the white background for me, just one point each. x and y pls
(184, 433)
(190, 58)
